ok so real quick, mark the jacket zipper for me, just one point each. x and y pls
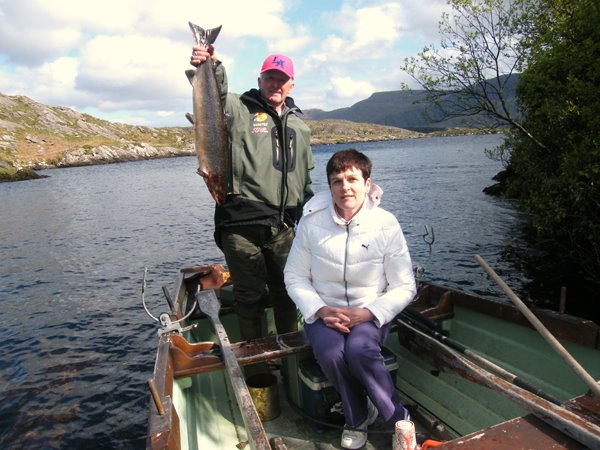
(282, 142)
(284, 169)
(346, 262)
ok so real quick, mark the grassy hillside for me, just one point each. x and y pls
(332, 131)
(33, 136)
(36, 136)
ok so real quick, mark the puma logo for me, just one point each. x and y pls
(366, 246)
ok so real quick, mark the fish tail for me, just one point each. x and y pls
(204, 37)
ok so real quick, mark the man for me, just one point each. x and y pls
(269, 183)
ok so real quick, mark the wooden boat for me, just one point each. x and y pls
(472, 371)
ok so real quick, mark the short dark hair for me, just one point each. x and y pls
(346, 159)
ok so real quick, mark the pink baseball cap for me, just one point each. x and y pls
(278, 62)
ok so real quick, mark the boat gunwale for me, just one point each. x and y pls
(574, 329)
(164, 430)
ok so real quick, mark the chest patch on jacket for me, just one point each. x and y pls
(260, 123)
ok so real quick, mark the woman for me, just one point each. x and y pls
(350, 273)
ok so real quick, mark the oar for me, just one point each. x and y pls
(562, 419)
(423, 324)
(257, 437)
(557, 346)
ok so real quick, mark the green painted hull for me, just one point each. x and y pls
(466, 407)
(454, 406)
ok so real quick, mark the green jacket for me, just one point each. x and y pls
(266, 186)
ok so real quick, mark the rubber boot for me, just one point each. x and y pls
(286, 321)
(252, 329)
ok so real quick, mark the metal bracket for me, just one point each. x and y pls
(167, 325)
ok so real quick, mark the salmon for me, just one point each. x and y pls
(209, 121)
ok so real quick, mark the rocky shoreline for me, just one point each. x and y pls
(34, 137)
(26, 170)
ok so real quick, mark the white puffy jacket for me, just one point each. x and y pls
(364, 263)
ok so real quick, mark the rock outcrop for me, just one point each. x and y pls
(35, 136)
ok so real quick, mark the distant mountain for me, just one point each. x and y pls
(36, 136)
(406, 109)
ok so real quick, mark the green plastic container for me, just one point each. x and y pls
(320, 400)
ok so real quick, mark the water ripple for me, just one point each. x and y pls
(77, 345)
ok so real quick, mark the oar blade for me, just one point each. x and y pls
(208, 303)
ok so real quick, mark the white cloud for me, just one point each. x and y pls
(347, 88)
(299, 39)
(59, 75)
(125, 59)
(363, 32)
(53, 81)
(422, 18)
(38, 46)
(134, 65)
(377, 24)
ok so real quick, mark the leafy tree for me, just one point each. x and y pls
(560, 183)
(481, 49)
(552, 148)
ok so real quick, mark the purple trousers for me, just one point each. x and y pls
(353, 363)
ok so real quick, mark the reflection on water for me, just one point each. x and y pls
(77, 344)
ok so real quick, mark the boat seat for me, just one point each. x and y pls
(422, 303)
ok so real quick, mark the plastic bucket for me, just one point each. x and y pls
(265, 395)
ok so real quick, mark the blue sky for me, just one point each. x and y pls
(124, 60)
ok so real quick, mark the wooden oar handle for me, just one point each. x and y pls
(539, 326)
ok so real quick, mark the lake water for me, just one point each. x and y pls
(77, 346)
